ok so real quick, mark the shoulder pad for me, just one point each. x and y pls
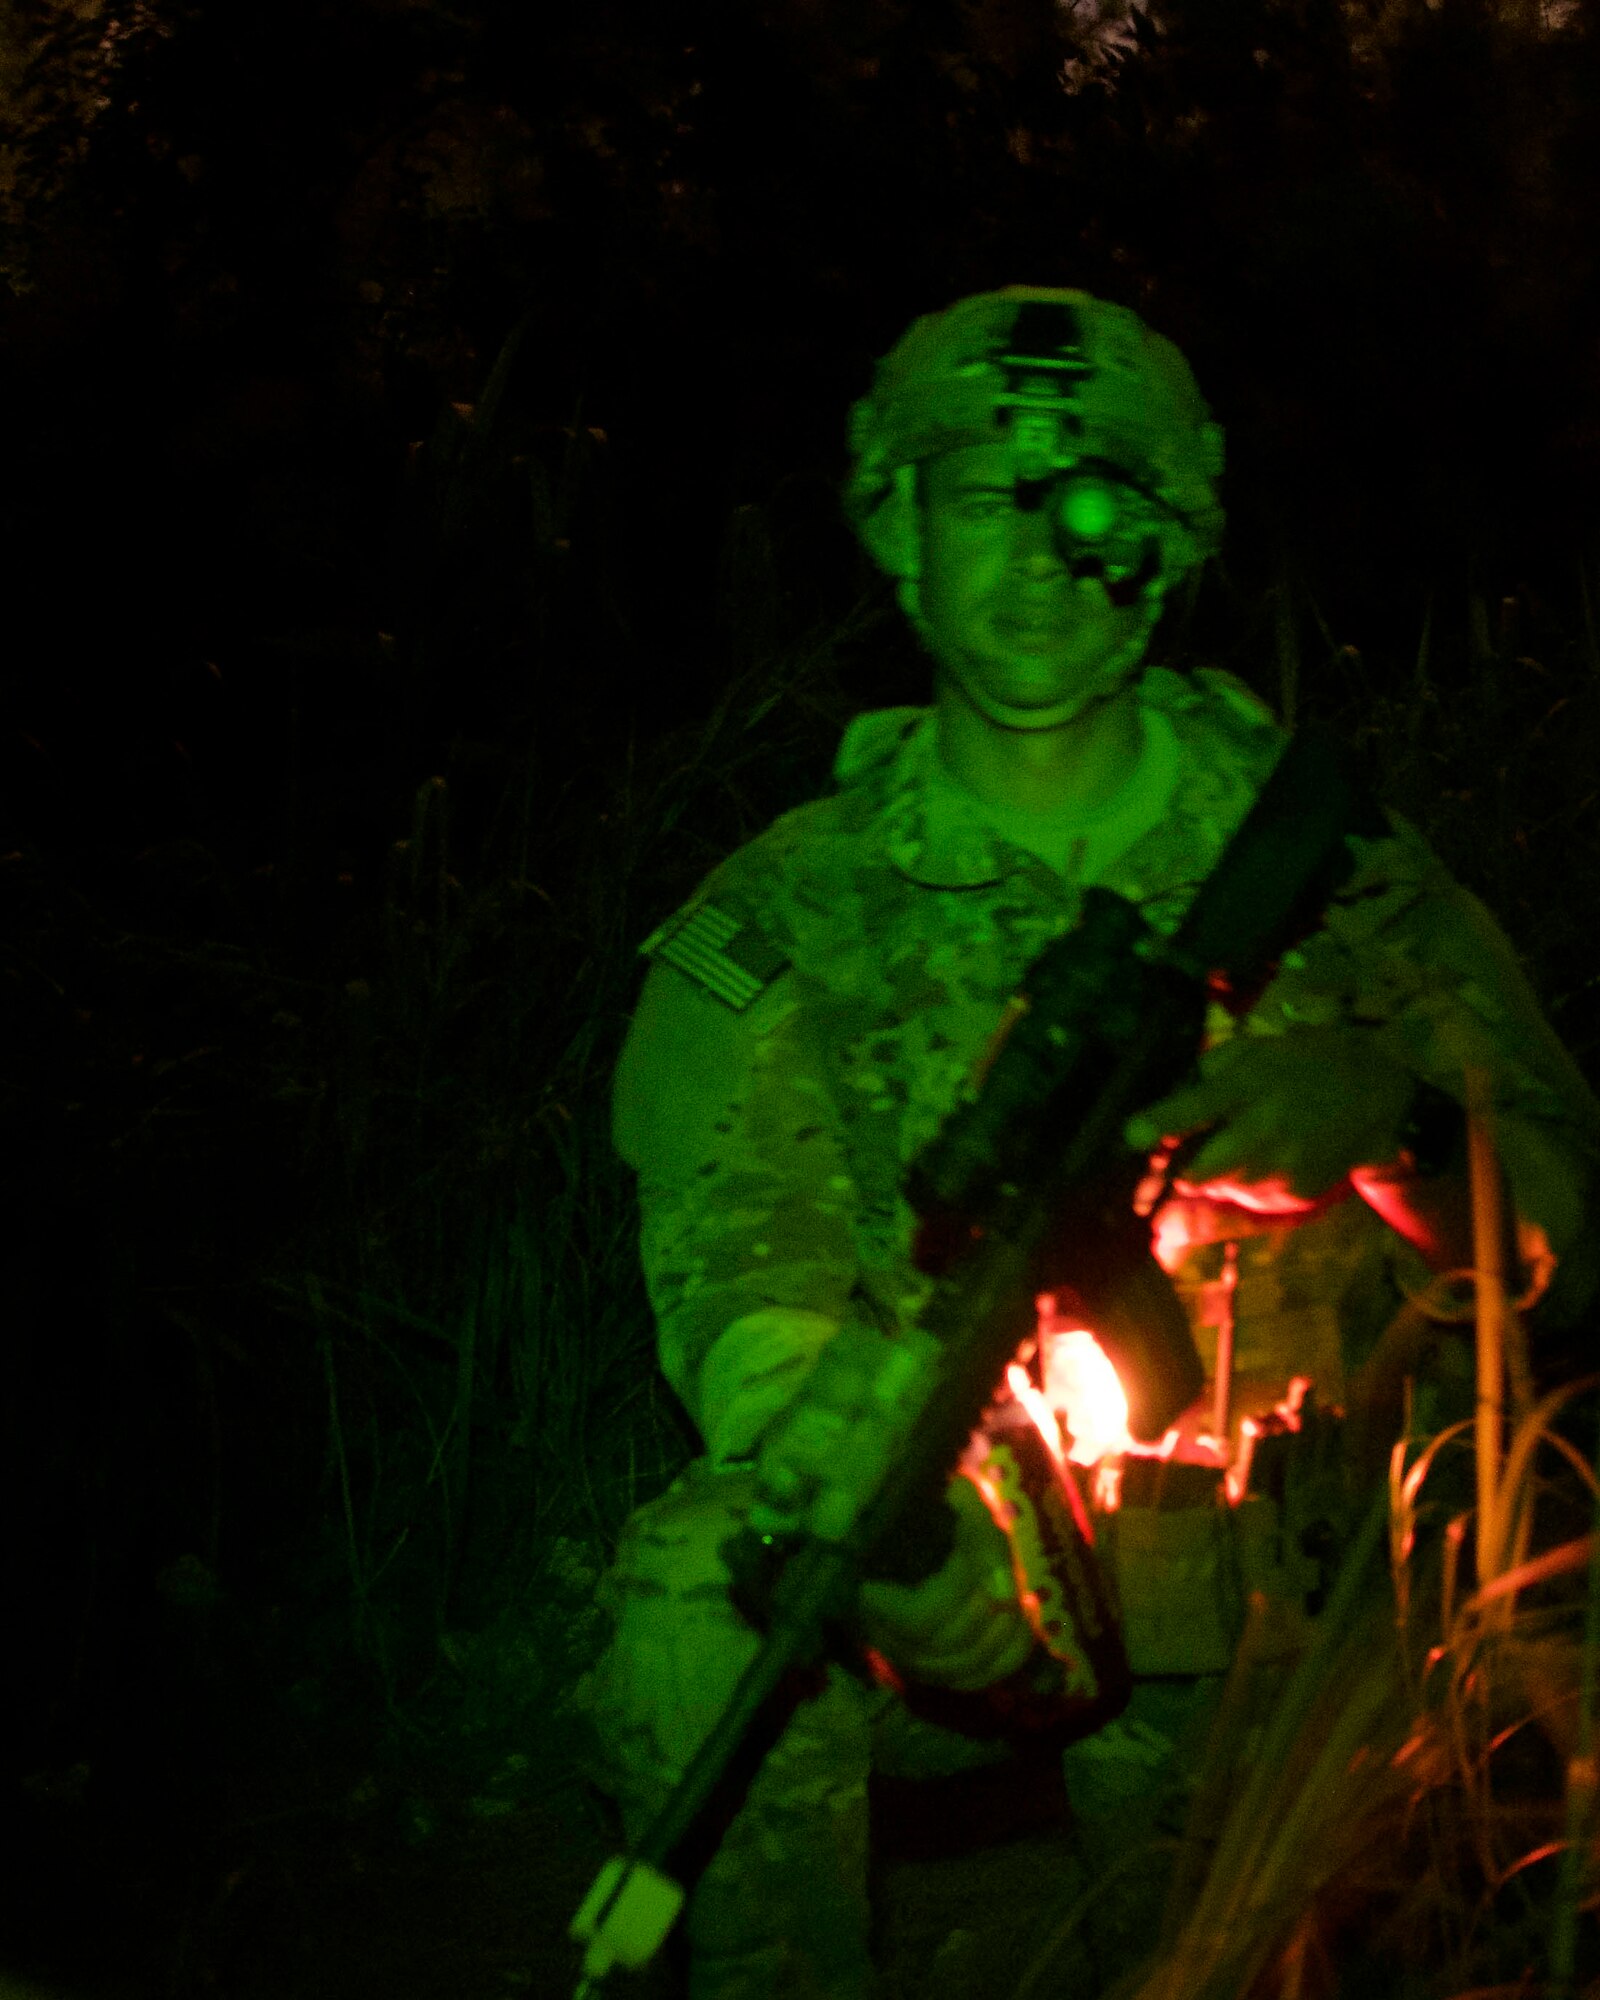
(1214, 693)
(871, 741)
(1231, 697)
(721, 948)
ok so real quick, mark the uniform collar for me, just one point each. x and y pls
(927, 831)
(931, 829)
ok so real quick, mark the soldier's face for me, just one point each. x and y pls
(1027, 644)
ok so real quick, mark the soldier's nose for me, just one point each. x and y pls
(1033, 545)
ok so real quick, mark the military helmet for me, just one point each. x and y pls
(1097, 408)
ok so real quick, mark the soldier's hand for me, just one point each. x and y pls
(826, 1455)
(1289, 1116)
(963, 1628)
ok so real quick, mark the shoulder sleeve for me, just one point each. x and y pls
(685, 1060)
(744, 1197)
(721, 948)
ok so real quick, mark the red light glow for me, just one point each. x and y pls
(1082, 1410)
(1081, 1383)
(1038, 1407)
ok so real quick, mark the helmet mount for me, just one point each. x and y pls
(1095, 508)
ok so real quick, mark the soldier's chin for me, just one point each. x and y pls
(1032, 715)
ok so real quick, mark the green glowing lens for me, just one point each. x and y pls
(1088, 508)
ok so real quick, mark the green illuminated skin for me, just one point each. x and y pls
(1289, 1117)
(1035, 706)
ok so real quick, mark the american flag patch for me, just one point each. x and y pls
(724, 953)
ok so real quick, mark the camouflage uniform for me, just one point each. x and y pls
(806, 1024)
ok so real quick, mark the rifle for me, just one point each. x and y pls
(1027, 1187)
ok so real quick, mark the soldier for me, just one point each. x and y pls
(1037, 470)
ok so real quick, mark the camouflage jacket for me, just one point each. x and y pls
(811, 1014)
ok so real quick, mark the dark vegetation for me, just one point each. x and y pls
(422, 429)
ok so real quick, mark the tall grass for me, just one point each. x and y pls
(469, 1278)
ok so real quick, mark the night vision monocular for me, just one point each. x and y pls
(1103, 526)
(1106, 523)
